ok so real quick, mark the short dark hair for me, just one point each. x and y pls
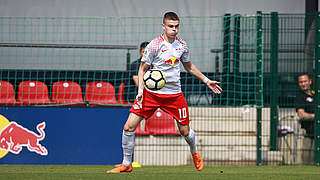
(304, 74)
(143, 45)
(170, 16)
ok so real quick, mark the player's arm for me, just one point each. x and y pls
(142, 70)
(193, 70)
(135, 80)
(304, 115)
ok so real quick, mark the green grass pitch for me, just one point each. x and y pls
(82, 172)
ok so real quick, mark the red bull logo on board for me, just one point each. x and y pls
(172, 61)
(13, 137)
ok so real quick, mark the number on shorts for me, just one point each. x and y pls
(183, 112)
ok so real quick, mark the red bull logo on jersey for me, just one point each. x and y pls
(13, 137)
(172, 61)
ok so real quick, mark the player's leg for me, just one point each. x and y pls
(178, 108)
(190, 138)
(149, 105)
(128, 143)
(128, 137)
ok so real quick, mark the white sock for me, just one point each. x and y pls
(127, 147)
(191, 140)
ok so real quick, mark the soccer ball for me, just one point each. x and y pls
(154, 79)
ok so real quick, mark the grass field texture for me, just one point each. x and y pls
(82, 172)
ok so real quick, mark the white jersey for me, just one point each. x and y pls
(164, 56)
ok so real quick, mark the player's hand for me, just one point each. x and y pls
(213, 85)
(139, 98)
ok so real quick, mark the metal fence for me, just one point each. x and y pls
(290, 46)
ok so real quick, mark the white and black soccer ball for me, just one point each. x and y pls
(154, 79)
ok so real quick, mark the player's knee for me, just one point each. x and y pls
(184, 130)
(184, 133)
(128, 128)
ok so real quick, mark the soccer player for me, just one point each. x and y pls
(164, 53)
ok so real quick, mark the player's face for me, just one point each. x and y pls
(142, 51)
(304, 82)
(171, 28)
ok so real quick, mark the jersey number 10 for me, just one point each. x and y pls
(183, 113)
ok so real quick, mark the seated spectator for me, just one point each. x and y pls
(305, 108)
(132, 83)
(305, 104)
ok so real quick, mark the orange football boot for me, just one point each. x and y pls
(121, 168)
(198, 161)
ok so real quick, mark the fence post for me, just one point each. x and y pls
(258, 85)
(274, 82)
(317, 90)
(236, 46)
(226, 57)
(236, 58)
